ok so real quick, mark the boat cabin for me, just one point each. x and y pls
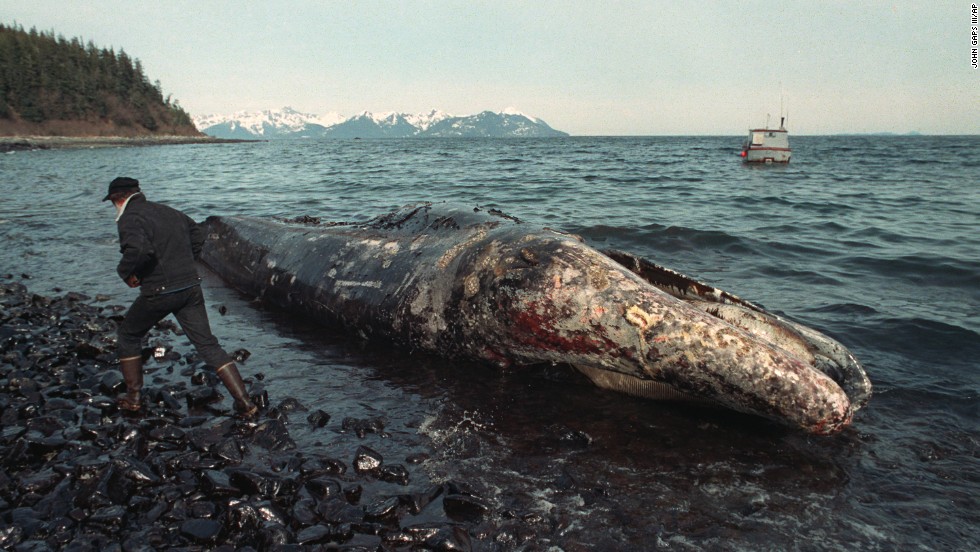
(767, 145)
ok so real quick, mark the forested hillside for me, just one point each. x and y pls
(51, 86)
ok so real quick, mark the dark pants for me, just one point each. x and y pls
(187, 306)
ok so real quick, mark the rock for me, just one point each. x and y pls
(367, 460)
(217, 483)
(464, 507)
(109, 516)
(229, 450)
(322, 488)
(202, 396)
(450, 539)
(27, 519)
(290, 404)
(393, 473)
(257, 484)
(168, 433)
(353, 493)
(274, 536)
(363, 427)
(418, 501)
(201, 531)
(382, 508)
(304, 512)
(313, 535)
(338, 511)
(273, 435)
(318, 418)
(137, 471)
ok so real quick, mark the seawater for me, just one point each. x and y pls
(873, 240)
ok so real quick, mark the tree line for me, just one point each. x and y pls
(46, 78)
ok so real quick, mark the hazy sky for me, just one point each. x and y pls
(588, 68)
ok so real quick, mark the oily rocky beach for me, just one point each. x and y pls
(80, 474)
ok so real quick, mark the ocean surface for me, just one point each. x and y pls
(872, 240)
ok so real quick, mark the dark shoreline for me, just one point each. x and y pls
(184, 472)
(30, 143)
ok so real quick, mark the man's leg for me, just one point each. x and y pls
(233, 381)
(193, 318)
(140, 317)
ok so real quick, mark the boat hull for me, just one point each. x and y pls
(767, 155)
(767, 145)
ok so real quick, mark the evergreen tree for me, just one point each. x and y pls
(46, 79)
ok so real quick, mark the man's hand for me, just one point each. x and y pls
(132, 281)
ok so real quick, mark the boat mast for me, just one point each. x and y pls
(782, 117)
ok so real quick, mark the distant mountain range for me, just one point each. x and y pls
(288, 123)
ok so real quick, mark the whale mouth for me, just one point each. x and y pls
(814, 349)
(637, 387)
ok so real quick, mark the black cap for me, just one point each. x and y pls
(121, 184)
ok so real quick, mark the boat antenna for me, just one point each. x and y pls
(782, 118)
(780, 100)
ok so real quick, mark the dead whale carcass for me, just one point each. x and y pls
(471, 283)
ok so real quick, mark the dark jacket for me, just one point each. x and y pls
(159, 244)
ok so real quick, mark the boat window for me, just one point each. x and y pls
(758, 138)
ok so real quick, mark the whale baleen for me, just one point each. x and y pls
(472, 283)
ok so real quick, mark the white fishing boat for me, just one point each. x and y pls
(767, 145)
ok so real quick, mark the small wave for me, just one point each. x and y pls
(808, 277)
(769, 202)
(625, 180)
(875, 233)
(611, 236)
(920, 269)
(931, 341)
(697, 238)
(849, 309)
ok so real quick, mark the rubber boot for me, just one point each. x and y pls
(132, 372)
(229, 375)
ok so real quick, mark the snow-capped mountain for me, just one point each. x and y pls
(423, 121)
(289, 123)
(372, 125)
(493, 125)
(265, 124)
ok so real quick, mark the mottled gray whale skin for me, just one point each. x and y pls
(470, 283)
